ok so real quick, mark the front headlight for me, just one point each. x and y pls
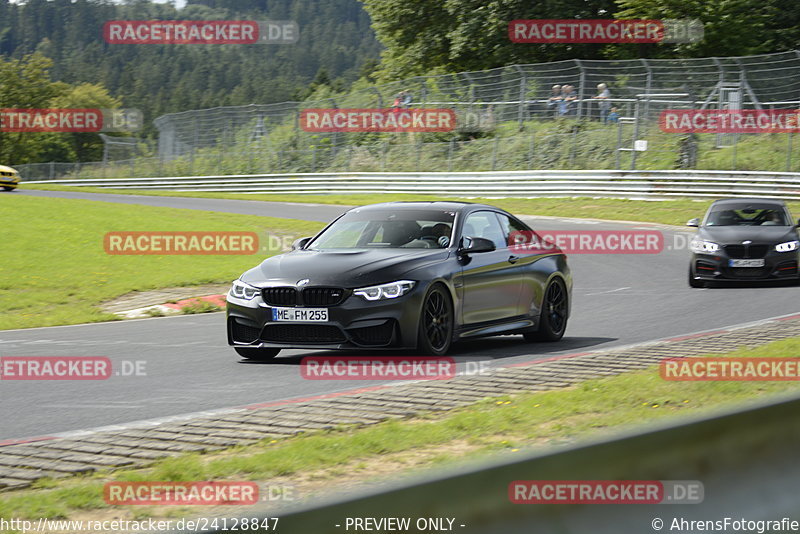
(788, 246)
(699, 246)
(385, 291)
(240, 290)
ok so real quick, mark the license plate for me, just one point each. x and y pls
(747, 263)
(308, 315)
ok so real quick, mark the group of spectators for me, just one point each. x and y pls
(563, 102)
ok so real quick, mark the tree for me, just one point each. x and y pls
(25, 84)
(422, 36)
(87, 146)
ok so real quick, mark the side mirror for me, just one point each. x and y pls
(693, 222)
(475, 245)
(301, 243)
(798, 222)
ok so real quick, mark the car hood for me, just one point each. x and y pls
(759, 235)
(342, 268)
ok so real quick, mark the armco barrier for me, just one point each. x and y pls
(745, 459)
(614, 184)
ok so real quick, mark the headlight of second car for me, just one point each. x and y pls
(788, 246)
(385, 291)
(240, 290)
(699, 246)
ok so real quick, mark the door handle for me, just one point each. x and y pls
(513, 259)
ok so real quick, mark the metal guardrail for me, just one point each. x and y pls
(614, 184)
(744, 458)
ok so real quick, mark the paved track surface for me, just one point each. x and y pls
(618, 300)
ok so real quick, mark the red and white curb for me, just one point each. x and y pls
(173, 308)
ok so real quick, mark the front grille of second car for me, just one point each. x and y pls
(302, 333)
(279, 296)
(746, 251)
(748, 272)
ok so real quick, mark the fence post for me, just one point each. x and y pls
(648, 87)
(581, 84)
(450, 150)
(523, 87)
(789, 153)
(636, 119)
(530, 151)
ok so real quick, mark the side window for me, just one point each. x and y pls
(485, 224)
(512, 228)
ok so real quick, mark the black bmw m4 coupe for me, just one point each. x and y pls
(744, 239)
(402, 275)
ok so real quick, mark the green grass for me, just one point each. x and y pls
(55, 270)
(504, 425)
(674, 212)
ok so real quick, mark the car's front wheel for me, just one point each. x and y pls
(256, 353)
(553, 318)
(435, 323)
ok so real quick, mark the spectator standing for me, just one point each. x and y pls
(569, 99)
(603, 94)
(554, 102)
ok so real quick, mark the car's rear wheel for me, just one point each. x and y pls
(8, 188)
(256, 353)
(693, 282)
(435, 323)
(553, 317)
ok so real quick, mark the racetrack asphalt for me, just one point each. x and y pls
(618, 299)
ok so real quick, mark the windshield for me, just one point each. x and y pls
(388, 229)
(747, 216)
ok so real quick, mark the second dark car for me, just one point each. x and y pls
(401, 275)
(744, 240)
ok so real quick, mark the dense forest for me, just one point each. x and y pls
(336, 41)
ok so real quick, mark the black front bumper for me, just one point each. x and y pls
(777, 266)
(353, 324)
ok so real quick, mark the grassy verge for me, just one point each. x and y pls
(56, 271)
(675, 212)
(494, 426)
